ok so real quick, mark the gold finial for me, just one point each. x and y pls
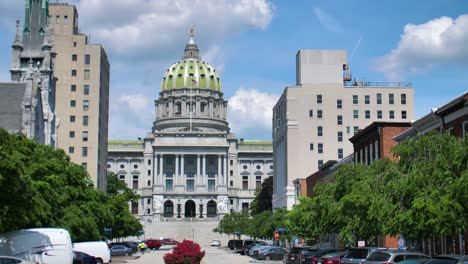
(192, 29)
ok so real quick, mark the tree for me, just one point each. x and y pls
(430, 192)
(234, 223)
(263, 198)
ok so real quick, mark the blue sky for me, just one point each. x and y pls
(253, 45)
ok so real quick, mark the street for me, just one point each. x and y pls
(213, 255)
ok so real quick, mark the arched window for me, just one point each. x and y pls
(168, 209)
(211, 209)
(178, 108)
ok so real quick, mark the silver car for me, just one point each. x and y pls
(395, 256)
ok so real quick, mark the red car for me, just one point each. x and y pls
(168, 241)
(331, 258)
(153, 243)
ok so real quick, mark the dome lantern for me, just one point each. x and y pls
(191, 49)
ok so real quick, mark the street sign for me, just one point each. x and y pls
(276, 235)
(141, 231)
(401, 243)
(281, 229)
(107, 229)
(361, 243)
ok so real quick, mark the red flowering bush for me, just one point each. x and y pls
(186, 252)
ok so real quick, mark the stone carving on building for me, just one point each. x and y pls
(222, 204)
(157, 203)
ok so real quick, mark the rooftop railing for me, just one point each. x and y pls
(377, 84)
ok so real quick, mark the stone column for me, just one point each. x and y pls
(219, 170)
(161, 171)
(204, 169)
(176, 176)
(155, 170)
(225, 170)
(182, 165)
(198, 169)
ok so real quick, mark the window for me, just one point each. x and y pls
(340, 136)
(320, 163)
(149, 172)
(71, 134)
(355, 99)
(258, 182)
(57, 20)
(319, 98)
(391, 98)
(355, 113)
(340, 153)
(403, 114)
(244, 167)
(391, 114)
(231, 162)
(84, 165)
(311, 146)
(451, 131)
(86, 89)
(149, 162)
(319, 113)
(465, 129)
(73, 73)
(356, 130)
(190, 185)
(245, 207)
(122, 177)
(168, 184)
(73, 88)
(311, 113)
(348, 130)
(367, 113)
(86, 75)
(122, 166)
(231, 173)
(85, 120)
(403, 99)
(74, 44)
(339, 103)
(320, 147)
(367, 99)
(87, 59)
(211, 185)
(72, 103)
(258, 167)
(84, 151)
(71, 150)
(72, 119)
(379, 98)
(65, 20)
(339, 120)
(245, 182)
(379, 114)
(85, 104)
(85, 136)
(320, 131)
(74, 57)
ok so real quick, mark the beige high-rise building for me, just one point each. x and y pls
(82, 96)
(313, 120)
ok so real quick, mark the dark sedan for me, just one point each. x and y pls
(83, 258)
(272, 253)
(120, 250)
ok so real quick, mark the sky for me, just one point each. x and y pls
(253, 44)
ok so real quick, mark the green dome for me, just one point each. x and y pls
(191, 73)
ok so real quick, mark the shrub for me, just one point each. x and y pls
(186, 252)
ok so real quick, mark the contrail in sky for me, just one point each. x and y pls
(355, 48)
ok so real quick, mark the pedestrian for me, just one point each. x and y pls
(142, 248)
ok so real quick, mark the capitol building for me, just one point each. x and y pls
(190, 166)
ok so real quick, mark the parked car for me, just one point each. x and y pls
(258, 243)
(97, 249)
(272, 253)
(452, 259)
(215, 243)
(168, 241)
(132, 245)
(255, 247)
(358, 255)
(311, 256)
(153, 243)
(294, 254)
(394, 256)
(120, 250)
(242, 247)
(331, 258)
(13, 260)
(256, 251)
(81, 258)
(234, 243)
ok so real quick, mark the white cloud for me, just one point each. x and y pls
(157, 28)
(439, 41)
(215, 57)
(327, 21)
(251, 111)
(135, 102)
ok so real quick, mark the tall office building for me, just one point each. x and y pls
(82, 104)
(313, 120)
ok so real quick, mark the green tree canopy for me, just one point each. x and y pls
(263, 197)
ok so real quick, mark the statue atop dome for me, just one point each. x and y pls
(191, 49)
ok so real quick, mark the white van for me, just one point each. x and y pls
(97, 249)
(39, 245)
